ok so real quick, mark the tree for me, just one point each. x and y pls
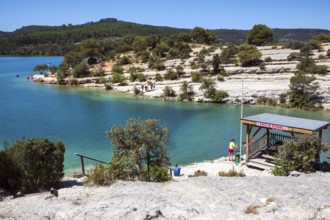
(208, 87)
(92, 49)
(302, 87)
(187, 91)
(41, 68)
(216, 64)
(82, 69)
(53, 69)
(260, 34)
(36, 163)
(202, 36)
(73, 58)
(248, 55)
(143, 142)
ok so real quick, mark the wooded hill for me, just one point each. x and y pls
(57, 40)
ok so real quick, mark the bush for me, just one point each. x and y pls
(294, 56)
(108, 86)
(168, 92)
(159, 174)
(141, 77)
(232, 173)
(322, 57)
(328, 53)
(321, 69)
(295, 45)
(248, 55)
(159, 77)
(227, 55)
(99, 175)
(298, 155)
(123, 61)
(117, 78)
(171, 75)
(219, 96)
(196, 77)
(37, 164)
(136, 91)
(307, 65)
(220, 78)
(268, 59)
(156, 63)
(262, 66)
(200, 173)
(117, 69)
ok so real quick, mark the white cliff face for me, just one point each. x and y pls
(251, 197)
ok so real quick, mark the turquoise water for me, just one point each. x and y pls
(80, 117)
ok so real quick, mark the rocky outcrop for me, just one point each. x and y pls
(253, 197)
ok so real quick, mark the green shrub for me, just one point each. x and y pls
(200, 173)
(314, 44)
(142, 77)
(294, 56)
(37, 164)
(117, 69)
(228, 54)
(171, 75)
(219, 96)
(156, 63)
(179, 70)
(262, 66)
(117, 78)
(232, 173)
(328, 53)
(159, 174)
(307, 65)
(295, 45)
(268, 59)
(196, 77)
(136, 91)
(108, 86)
(220, 78)
(158, 77)
(99, 175)
(321, 69)
(168, 92)
(298, 155)
(123, 61)
(248, 55)
(322, 57)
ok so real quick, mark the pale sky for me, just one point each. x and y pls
(210, 14)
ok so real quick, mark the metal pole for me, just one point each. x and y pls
(241, 126)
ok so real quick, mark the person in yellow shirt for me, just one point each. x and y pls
(231, 147)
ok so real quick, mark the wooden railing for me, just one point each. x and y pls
(276, 138)
(83, 164)
(257, 145)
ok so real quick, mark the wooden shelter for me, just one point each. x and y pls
(289, 127)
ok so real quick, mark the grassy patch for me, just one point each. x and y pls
(232, 173)
(252, 209)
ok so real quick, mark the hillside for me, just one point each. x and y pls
(57, 40)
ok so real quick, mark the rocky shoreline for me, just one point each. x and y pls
(269, 82)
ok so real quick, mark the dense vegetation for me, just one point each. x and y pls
(31, 165)
(58, 40)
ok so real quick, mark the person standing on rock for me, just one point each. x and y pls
(231, 147)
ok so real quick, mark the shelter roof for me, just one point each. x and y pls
(285, 123)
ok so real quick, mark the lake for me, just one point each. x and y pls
(80, 117)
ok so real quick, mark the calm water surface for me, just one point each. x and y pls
(80, 117)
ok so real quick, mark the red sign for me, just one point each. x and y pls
(277, 127)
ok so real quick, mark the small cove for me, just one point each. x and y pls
(80, 117)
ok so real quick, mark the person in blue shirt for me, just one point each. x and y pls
(176, 170)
